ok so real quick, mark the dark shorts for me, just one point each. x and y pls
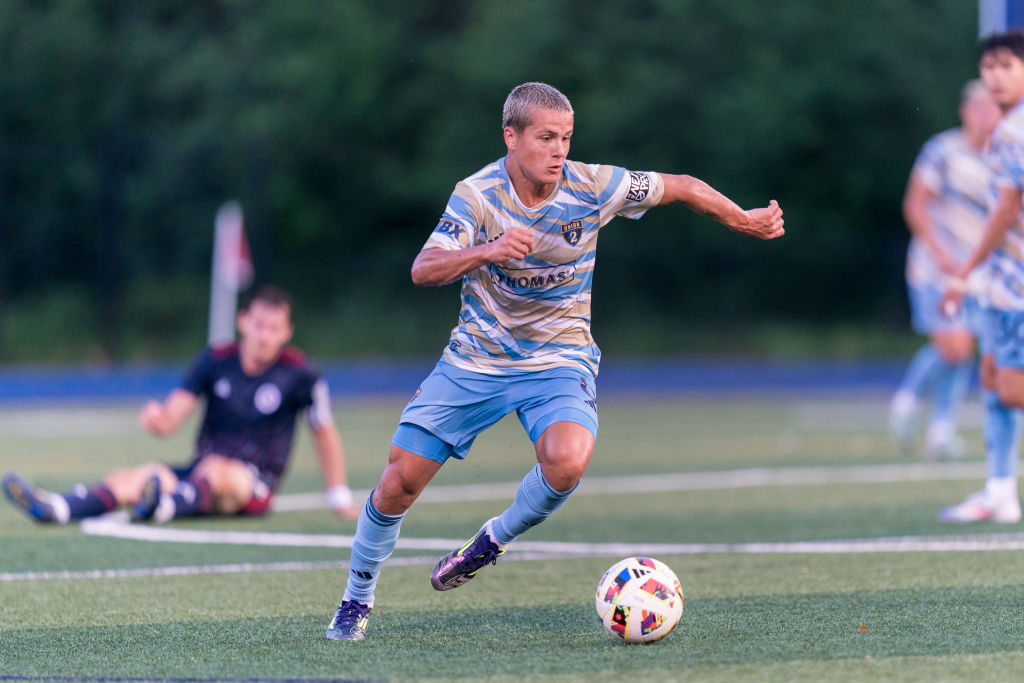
(262, 494)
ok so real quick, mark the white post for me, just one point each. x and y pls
(231, 272)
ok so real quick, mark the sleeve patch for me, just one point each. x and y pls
(450, 228)
(639, 186)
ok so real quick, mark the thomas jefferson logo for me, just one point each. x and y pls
(639, 186)
(572, 231)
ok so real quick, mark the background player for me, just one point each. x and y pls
(521, 234)
(254, 391)
(945, 207)
(1002, 70)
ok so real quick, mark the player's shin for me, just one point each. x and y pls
(189, 499)
(375, 538)
(1002, 438)
(87, 501)
(535, 501)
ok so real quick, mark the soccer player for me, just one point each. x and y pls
(1002, 70)
(254, 391)
(521, 236)
(945, 207)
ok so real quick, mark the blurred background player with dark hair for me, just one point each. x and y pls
(1002, 245)
(945, 207)
(254, 391)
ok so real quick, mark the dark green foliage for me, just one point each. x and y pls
(342, 126)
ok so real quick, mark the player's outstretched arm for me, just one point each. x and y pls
(764, 223)
(331, 454)
(163, 419)
(435, 266)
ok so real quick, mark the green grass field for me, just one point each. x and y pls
(758, 606)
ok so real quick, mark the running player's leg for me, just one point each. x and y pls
(956, 349)
(561, 418)
(1002, 394)
(379, 524)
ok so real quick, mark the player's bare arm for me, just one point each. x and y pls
(436, 266)
(764, 223)
(331, 454)
(1002, 218)
(916, 202)
(163, 419)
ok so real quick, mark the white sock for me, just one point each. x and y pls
(164, 509)
(61, 511)
(1001, 488)
(903, 402)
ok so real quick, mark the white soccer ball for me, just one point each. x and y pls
(639, 600)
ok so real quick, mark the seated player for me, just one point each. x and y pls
(254, 391)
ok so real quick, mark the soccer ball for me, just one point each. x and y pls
(639, 600)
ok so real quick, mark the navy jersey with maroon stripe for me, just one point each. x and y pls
(253, 418)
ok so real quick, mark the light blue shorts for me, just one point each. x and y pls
(927, 319)
(1007, 329)
(453, 406)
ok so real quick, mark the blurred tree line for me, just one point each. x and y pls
(342, 125)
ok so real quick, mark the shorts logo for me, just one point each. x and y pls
(639, 186)
(267, 398)
(572, 231)
(449, 227)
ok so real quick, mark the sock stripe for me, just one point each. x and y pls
(379, 517)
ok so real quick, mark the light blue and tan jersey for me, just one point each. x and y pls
(533, 313)
(1006, 264)
(960, 178)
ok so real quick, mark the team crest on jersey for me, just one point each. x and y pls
(449, 227)
(639, 186)
(267, 398)
(572, 231)
(222, 387)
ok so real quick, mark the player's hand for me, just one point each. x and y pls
(515, 243)
(765, 223)
(952, 300)
(348, 512)
(339, 499)
(151, 418)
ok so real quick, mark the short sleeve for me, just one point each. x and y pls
(929, 165)
(1010, 163)
(628, 193)
(318, 412)
(458, 223)
(197, 377)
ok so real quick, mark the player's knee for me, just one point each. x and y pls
(563, 466)
(1011, 396)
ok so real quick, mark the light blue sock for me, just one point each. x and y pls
(376, 535)
(535, 501)
(921, 371)
(1002, 436)
(951, 382)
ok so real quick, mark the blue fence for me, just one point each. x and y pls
(20, 385)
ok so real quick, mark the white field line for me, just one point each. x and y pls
(525, 551)
(683, 481)
(116, 528)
